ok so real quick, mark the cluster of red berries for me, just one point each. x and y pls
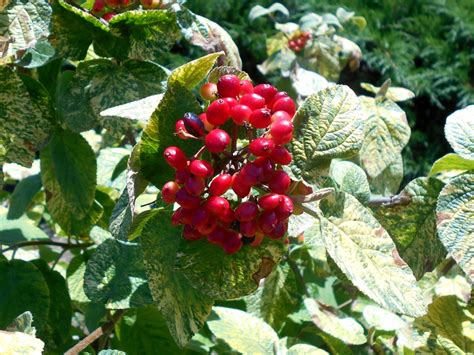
(200, 184)
(296, 44)
(109, 8)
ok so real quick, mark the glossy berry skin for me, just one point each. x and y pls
(208, 91)
(228, 86)
(184, 199)
(281, 128)
(113, 3)
(218, 112)
(231, 102)
(228, 216)
(278, 96)
(175, 157)
(217, 205)
(189, 233)
(168, 192)
(266, 91)
(285, 208)
(253, 101)
(180, 129)
(176, 217)
(261, 147)
(250, 174)
(278, 231)
(217, 141)
(267, 168)
(98, 6)
(217, 236)
(280, 182)
(240, 114)
(195, 185)
(269, 201)
(260, 118)
(193, 124)
(220, 184)
(200, 217)
(280, 155)
(187, 215)
(285, 104)
(240, 188)
(207, 126)
(249, 228)
(108, 16)
(281, 115)
(232, 244)
(283, 140)
(267, 221)
(207, 227)
(181, 176)
(201, 168)
(246, 211)
(246, 87)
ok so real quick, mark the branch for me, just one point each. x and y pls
(315, 196)
(390, 201)
(47, 242)
(96, 334)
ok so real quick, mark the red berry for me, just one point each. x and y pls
(151, 4)
(217, 236)
(228, 216)
(208, 91)
(217, 205)
(248, 228)
(218, 112)
(280, 155)
(267, 168)
(228, 85)
(175, 157)
(195, 185)
(240, 188)
(291, 44)
(246, 211)
(200, 217)
(181, 176)
(246, 87)
(281, 128)
(230, 101)
(240, 114)
(108, 16)
(180, 129)
(278, 96)
(253, 101)
(220, 184)
(260, 118)
(201, 168)
(193, 124)
(217, 141)
(250, 174)
(207, 126)
(168, 192)
(186, 215)
(232, 244)
(280, 182)
(267, 221)
(300, 42)
(189, 233)
(285, 104)
(176, 217)
(184, 199)
(282, 140)
(285, 208)
(280, 115)
(98, 6)
(269, 201)
(208, 227)
(113, 3)
(261, 147)
(258, 239)
(278, 231)
(266, 91)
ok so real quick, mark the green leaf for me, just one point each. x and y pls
(306, 82)
(107, 161)
(184, 308)
(143, 331)
(57, 332)
(22, 195)
(351, 179)
(23, 23)
(140, 110)
(277, 298)
(382, 319)
(413, 227)
(74, 166)
(447, 325)
(139, 221)
(452, 163)
(328, 125)
(222, 276)
(24, 128)
(386, 134)
(300, 349)
(177, 100)
(366, 254)
(75, 279)
(217, 72)
(115, 276)
(259, 11)
(460, 133)
(243, 332)
(454, 214)
(23, 323)
(395, 94)
(23, 289)
(37, 56)
(19, 230)
(345, 329)
(388, 181)
(69, 191)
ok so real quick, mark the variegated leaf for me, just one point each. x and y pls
(387, 183)
(459, 132)
(393, 93)
(455, 220)
(351, 179)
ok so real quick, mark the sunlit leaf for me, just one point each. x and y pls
(459, 132)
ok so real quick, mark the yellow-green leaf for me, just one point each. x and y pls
(459, 132)
(393, 93)
(451, 163)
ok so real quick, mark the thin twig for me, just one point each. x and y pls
(84, 343)
(58, 258)
(299, 277)
(390, 201)
(47, 242)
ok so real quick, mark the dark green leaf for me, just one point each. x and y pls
(19, 230)
(22, 195)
